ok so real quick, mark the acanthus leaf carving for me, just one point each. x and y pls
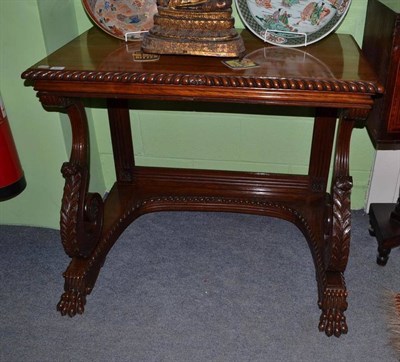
(341, 224)
(81, 214)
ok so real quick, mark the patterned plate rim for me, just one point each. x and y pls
(249, 21)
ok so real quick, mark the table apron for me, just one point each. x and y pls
(277, 97)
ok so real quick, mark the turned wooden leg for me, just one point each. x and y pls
(81, 218)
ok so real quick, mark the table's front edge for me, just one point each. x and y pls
(186, 84)
(224, 95)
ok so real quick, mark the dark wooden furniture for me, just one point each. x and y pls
(381, 46)
(384, 222)
(330, 77)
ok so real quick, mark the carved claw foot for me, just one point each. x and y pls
(71, 303)
(80, 278)
(333, 305)
(333, 322)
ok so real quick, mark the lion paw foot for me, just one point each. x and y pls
(71, 303)
(333, 322)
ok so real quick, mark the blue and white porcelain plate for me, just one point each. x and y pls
(292, 23)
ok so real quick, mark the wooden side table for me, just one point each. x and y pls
(381, 46)
(330, 76)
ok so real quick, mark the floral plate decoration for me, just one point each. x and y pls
(123, 19)
(292, 23)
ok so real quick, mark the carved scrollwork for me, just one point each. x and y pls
(81, 213)
(81, 217)
(337, 252)
(69, 208)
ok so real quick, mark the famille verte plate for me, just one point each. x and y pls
(292, 23)
(123, 19)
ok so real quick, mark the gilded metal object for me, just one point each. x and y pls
(195, 27)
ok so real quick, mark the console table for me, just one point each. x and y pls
(330, 77)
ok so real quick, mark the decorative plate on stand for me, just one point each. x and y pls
(123, 19)
(292, 23)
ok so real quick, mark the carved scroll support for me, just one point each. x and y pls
(337, 229)
(81, 217)
(339, 242)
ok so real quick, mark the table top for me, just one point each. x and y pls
(95, 64)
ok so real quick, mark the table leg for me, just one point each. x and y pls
(333, 299)
(331, 287)
(81, 218)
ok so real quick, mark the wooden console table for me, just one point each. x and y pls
(330, 77)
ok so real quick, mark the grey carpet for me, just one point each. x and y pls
(192, 287)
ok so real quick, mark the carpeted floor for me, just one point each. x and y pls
(192, 287)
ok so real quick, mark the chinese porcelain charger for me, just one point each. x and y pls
(292, 23)
(123, 19)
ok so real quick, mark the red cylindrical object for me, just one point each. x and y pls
(12, 179)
